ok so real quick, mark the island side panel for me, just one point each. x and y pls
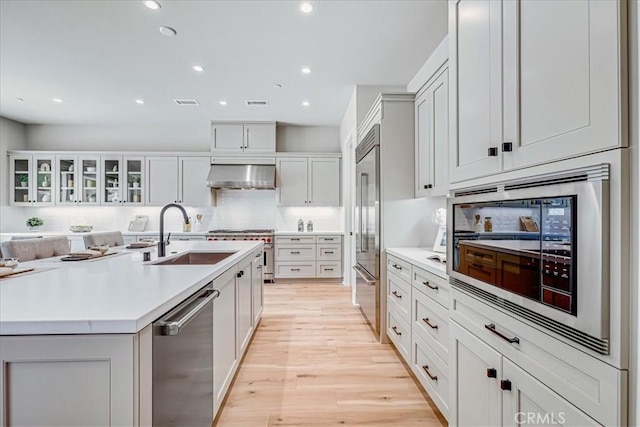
(70, 380)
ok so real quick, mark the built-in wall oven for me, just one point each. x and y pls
(539, 249)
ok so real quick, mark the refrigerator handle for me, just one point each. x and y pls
(364, 178)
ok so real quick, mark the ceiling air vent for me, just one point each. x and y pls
(186, 102)
(257, 103)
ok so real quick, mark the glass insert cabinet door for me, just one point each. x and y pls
(111, 192)
(67, 182)
(134, 170)
(44, 180)
(21, 180)
(88, 180)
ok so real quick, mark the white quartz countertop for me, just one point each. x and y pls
(309, 233)
(115, 294)
(419, 257)
(124, 233)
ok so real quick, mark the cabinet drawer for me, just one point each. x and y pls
(295, 239)
(399, 296)
(399, 333)
(329, 251)
(399, 267)
(329, 269)
(434, 286)
(329, 239)
(295, 252)
(589, 384)
(431, 323)
(432, 373)
(294, 269)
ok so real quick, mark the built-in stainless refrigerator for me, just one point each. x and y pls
(367, 227)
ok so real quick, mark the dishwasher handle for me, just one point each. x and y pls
(175, 327)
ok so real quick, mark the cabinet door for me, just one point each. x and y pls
(88, 175)
(193, 178)
(21, 180)
(260, 137)
(44, 179)
(476, 88)
(324, 182)
(291, 181)
(562, 62)
(529, 402)
(111, 190)
(224, 336)
(67, 182)
(476, 370)
(257, 284)
(424, 162)
(227, 137)
(162, 180)
(134, 176)
(245, 307)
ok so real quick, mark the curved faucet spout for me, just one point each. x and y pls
(162, 244)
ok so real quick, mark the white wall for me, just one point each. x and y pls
(319, 139)
(12, 137)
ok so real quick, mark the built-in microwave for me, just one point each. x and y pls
(538, 248)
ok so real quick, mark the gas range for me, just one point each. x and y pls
(266, 235)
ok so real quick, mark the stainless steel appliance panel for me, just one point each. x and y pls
(368, 294)
(183, 363)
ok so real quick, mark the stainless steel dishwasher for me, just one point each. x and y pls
(183, 362)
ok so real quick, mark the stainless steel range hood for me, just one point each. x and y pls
(243, 176)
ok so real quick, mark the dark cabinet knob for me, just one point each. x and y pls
(493, 151)
(507, 147)
(505, 385)
(492, 373)
(428, 186)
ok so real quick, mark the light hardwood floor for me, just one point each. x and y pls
(314, 362)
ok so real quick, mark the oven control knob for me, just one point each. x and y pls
(268, 240)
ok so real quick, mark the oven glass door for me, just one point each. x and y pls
(524, 246)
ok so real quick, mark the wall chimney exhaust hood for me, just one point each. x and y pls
(242, 176)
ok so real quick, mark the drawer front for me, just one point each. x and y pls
(399, 267)
(589, 384)
(329, 239)
(431, 323)
(434, 286)
(432, 373)
(329, 251)
(292, 269)
(295, 239)
(399, 333)
(329, 269)
(295, 252)
(399, 296)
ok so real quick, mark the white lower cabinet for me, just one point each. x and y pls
(399, 333)
(225, 353)
(245, 306)
(431, 371)
(298, 255)
(257, 285)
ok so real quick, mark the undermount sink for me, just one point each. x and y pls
(196, 258)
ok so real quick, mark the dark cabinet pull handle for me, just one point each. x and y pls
(328, 269)
(395, 329)
(328, 252)
(428, 285)
(295, 269)
(397, 267)
(505, 385)
(395, 294)
(327, 239)
(295, 238)
(431, 325)
(426, 369)
(492, 373)
(295, 252)
(507, 147)
(492, 328)
(493, 151)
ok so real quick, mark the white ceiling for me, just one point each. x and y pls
(99, 56)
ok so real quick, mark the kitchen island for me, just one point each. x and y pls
(76, 337)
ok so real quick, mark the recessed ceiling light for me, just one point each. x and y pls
(168, 31)
(306, 70)
(20, 99)
(223, 102)
(198, 68)
(305, 103)
(58, 100)
(154, 5)
(306, 7)
(277, 86)
(139, 101)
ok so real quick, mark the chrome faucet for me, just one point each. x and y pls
(162, 244)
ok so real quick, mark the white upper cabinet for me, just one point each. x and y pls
(312, 181)
(78, 179)
(243, 137)
(432, 136)
(533, 82)
(32, 180)
(178, 180)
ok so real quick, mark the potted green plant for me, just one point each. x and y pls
(135, 181)
(35, 223)
(24, 180)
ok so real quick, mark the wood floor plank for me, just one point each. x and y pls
(314, 362)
